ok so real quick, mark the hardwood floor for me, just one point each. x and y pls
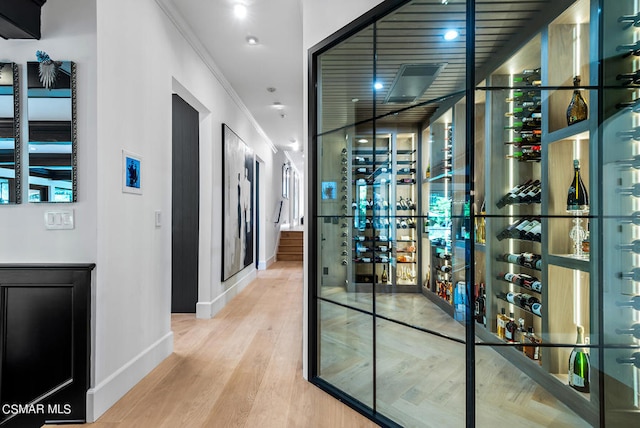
(242, 368)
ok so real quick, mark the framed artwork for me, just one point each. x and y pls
(131, 173)
(329, 188)
(237, 203)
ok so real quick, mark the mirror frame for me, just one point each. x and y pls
(74, 136)
(17, 143)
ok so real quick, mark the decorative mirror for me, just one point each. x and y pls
(52, 130)
(10, 161)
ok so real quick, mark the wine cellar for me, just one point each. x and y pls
(521, 224)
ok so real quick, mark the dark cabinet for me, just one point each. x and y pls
(45, 343)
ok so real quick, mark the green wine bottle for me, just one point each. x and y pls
(579, 365)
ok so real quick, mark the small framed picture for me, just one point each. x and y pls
(131, 173)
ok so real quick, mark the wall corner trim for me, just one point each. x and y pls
(109, 391)
(206, 310)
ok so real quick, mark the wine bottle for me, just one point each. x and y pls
(634, 330)
(443, 255)
(505, 233)
(630, 191)
(536, 308)
(633, 359)
(520, 334)
(630, 163)
(630, 20)
(528, 77)
(634, 246)
(633, 303)
(444, 268)
(629, 78)
(534, 234)
(524, 112)
(510, 328)
(532, 351)
(629, 49)
(510, 196)
(521, 97)
(384, 276)
(529, 126)
(480, 310)
(501, 323)
(579, 365)
(634, 106)
(577, 197)
(577, 110)
(523, 156)
(634, 275)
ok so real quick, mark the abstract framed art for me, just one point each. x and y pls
(131, 172)
(237, 203)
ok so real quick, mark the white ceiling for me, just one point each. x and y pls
(275, 62)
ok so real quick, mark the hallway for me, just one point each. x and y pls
(242, 368)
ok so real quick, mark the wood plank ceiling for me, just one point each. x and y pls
(413, 34)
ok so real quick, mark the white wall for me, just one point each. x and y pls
(134, 108)
(320, 19)
(124, 102)
(68, 28)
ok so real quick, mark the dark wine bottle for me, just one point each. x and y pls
(634, 105)
(510, 328)
(479, 309)
(506, 232)
(528, 77)
(629, 78)
(629, 49)
(577, 110)
(630, 20)
(577, 197)
(579, 365)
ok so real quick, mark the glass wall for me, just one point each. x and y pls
(474, 198)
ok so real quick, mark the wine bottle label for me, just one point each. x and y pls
(577, 380)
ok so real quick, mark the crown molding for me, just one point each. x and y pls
(185, 30)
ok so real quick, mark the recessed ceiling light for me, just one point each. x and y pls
(377, 86)
(445, 1)
(451, 35)
(252, 40)
(271, 89)
(278, 105)
(363, 141)
(355, 100)
(240, 10)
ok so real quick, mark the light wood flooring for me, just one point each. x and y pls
(243, 368)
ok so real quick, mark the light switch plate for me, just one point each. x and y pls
(158, 216)
(59, 220)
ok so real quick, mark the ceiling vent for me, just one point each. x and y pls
(411, 82)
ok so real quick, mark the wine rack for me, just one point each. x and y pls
(379, 242)
(619, 230)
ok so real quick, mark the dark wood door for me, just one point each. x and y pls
(185, 205)
(44, 344)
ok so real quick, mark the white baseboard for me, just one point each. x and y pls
(105, 395)
(207, 310)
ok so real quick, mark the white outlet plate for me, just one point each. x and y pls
(59, 220)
